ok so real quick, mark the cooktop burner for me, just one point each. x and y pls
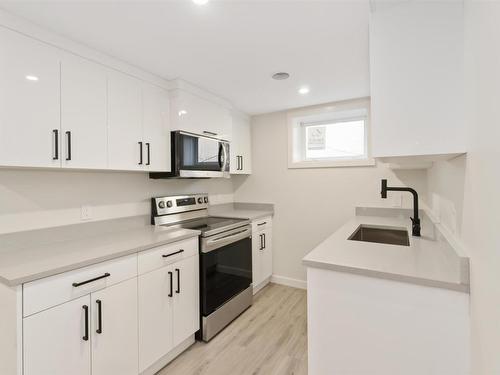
(211, 225)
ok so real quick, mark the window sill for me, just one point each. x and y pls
(369, 162)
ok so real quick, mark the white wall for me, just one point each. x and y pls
(31, 199)
(472, 183)
(310, 204)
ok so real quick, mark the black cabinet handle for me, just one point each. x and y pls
(263, 223)
(149, 153)
(241, 162)
(264, 235)
(169, 255)
(56, 144)
(178, 271)
(140, 153)
(68, 139)
(171, 275)
(261, 241)
(86, 334)
(99, 316)
(76, 285)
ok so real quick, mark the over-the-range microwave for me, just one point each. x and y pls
(196, 156)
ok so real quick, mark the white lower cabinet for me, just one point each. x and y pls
(98, 329)
(155, 317)
(168, 309)
(262, 253)
(105, 319)
(114, 330)
(53, 340)
(186, 299)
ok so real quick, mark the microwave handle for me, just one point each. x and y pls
(226, 158)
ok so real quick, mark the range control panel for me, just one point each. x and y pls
(178, 203)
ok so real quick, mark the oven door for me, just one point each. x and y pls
(224, 272)
(200, 156)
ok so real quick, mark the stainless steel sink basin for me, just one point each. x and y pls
(381, 234)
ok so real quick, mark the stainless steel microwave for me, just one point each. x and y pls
(196, 156)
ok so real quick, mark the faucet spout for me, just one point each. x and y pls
(415, 220)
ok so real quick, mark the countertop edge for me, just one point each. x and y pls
(86, 263)
(457, 287)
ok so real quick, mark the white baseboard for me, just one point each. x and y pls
(294, 283)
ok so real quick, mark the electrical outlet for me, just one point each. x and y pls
(86, 213)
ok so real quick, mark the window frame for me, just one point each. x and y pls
(298, 121)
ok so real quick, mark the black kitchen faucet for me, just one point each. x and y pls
(415, 219)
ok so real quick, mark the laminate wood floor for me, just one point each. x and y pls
(269, 338)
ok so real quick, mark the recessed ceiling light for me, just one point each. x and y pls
(32, 78)
(280, 76)
(182, 112)
(200, 2)
(304, 90)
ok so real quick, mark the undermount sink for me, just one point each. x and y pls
(381, 234)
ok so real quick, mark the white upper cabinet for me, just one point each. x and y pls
(197, 115)
(126, 147)
(241, 145)
(156, 128)
(83, 113)
(416, 68)
(29, 102)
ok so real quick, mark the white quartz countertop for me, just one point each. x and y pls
(31, 255)
(429, 260)
(252, 211)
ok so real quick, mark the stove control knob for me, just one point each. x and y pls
(169, 204)
(161, 204)
(206, 199)
(200, 200)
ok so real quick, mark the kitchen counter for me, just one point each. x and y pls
(31, 255)
(429, 260)
(240, 210)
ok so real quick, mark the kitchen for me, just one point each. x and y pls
(284, 187)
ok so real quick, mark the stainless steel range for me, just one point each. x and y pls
(225, 258)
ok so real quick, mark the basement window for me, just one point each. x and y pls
(331, 136)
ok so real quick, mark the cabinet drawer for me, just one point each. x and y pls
(51, 291)
(261, 224)
(167, 254)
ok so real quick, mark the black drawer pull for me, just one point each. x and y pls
(76, 285)
(86, 334)
(263, 223)
(149, 153)
(68, 135)
(178, 271)
(99, 316)
(140, 153)
(56, 144)
(169, 255)
(264, 235)
(171, 275)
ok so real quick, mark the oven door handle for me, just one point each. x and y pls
(216, 243)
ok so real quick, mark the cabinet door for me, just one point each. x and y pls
(83, 113)
(156, 124)
(29, 102)
(241, 162)
(53, 340)
(114, 330)
(186, 299)
(266, 255)
(156, 292)
(197, 115)
(125, 141)
(256, 255)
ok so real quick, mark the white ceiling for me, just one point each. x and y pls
(230, 48)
